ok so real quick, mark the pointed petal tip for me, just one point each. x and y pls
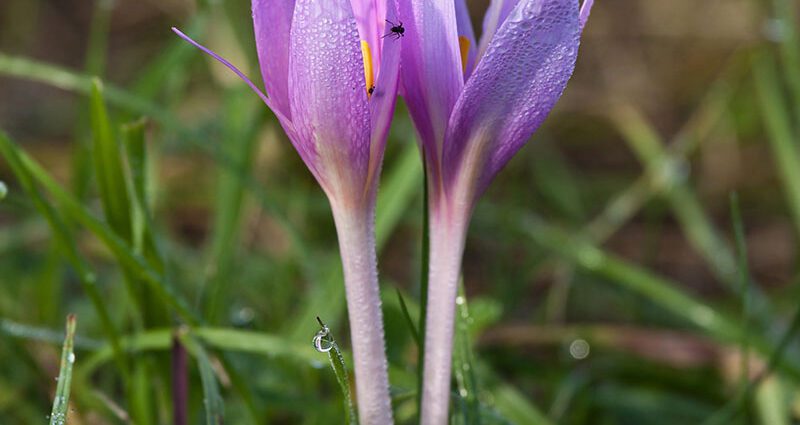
(236, 71)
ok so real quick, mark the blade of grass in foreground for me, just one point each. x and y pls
(467, 405)
(212, 399)
(61, 400)
(324, 343)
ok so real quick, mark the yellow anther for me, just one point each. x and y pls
(463, 45)
(368, 74)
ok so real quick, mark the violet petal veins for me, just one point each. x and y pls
(504, 89)
(332, 81)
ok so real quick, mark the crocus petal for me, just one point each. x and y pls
(272, 20)
(465, 35)
(382, 102)
(495, 15)
(514, 87)
(432, 77)
(278, 112)
(586, 10)
(370, 15)
(328, 96)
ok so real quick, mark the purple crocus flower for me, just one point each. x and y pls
(331, 79)
(474, 105)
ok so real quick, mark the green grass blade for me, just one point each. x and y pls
(324, 342)
(744, 283)
(98, 37)
(774, 403)
(212, 399)
(108, 166)
(35, 333)
(94, 64)
(144, 234)
(514, 407)
(407, 316)
(423, 284)
(61, 401)
(776, 119)
(463, 363)
(257, 343)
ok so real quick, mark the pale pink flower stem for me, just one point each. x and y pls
(355, 226)
(448, 229)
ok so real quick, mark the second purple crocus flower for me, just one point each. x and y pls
(474, 105)
(331, 79)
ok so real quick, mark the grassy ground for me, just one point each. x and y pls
(637, 263)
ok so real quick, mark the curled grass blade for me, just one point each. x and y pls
(339, 367)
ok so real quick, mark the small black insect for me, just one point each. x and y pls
(396, 30)
(371, 90)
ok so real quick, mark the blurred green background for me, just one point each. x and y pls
(636, 263)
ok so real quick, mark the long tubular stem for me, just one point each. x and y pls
(355, 227)
(447, 234)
